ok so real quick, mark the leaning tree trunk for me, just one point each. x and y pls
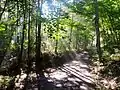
(97, 30)
(2, 11)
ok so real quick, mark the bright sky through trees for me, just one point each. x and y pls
(51, 6)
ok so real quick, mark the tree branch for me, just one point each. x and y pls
(3, 10)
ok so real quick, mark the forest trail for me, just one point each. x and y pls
(73, 75)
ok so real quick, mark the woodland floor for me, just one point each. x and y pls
(78, 72)
(75, 74)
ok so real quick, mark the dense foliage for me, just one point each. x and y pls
(31, 29)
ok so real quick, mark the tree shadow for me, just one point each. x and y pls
(72, 73)
(68, 71)
(112, 69)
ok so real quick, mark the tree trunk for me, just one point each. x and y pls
(70, 37)
(3, 9)
(29, 41)
(97, 30)
(56, 44)
(38, 37)
(23, 34)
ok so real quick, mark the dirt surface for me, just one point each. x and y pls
(73, 75)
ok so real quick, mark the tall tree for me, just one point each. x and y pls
(71, 32)
(57, 34)
(29, 39)
(97, 30)
(38, 36)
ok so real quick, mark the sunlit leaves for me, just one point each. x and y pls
(2, 27)
(109, 23)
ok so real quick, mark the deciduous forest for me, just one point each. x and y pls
(59, 45)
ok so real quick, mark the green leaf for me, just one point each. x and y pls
(2, 27)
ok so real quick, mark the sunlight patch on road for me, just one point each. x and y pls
(58, 75)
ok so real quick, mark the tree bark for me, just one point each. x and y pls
(97, 30)
(23, 34)
(3, 9)
(38, 37)
(71, 31)
(29, 40)
(56, 44)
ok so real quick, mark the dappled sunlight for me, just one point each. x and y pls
(73, 74)
(71, 70)
(58, 75)
(103, 76)
(69, 76)
(59, 44)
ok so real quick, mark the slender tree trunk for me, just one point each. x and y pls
(39, 65)
(23, 34)
(17, 31)
(38, 37)
(2, 11)
(56, 44)
(70, 37)
(56, 47)
(57, 39)
(76, 46)
(29, 41)
(97, 30)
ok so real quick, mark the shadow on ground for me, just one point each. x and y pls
(72, 75)
(68, 71)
